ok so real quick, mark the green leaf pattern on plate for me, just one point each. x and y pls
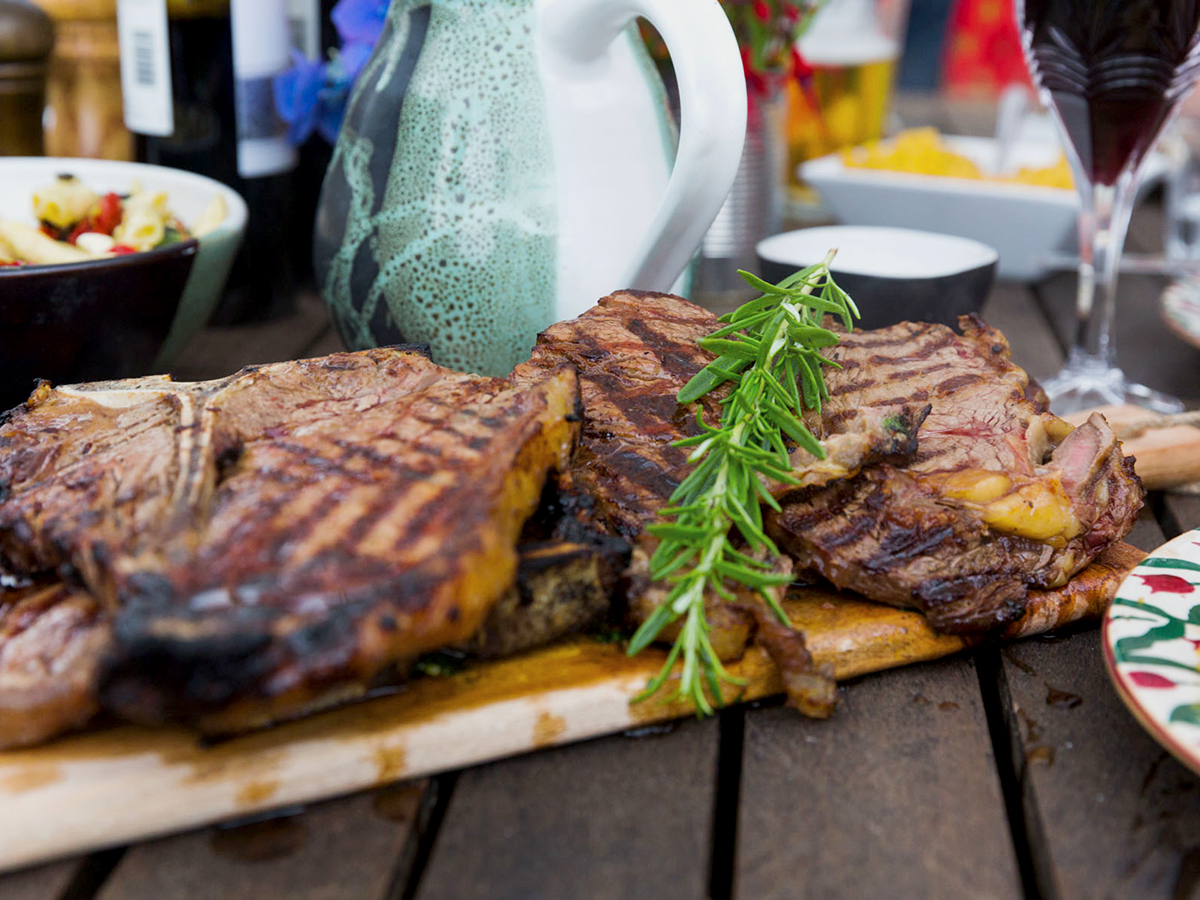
(1153, 631)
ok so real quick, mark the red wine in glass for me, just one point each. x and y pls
(1113, 72)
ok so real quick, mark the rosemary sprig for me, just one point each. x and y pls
(771, 348)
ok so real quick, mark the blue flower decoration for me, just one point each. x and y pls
(359, 20)
(312, 96)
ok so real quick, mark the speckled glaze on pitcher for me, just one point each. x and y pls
(504, 163)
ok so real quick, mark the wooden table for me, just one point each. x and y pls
(1005, 773)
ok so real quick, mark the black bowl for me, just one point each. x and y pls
(892, 274)
(89, 321)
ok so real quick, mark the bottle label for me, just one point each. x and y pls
(145, 66)
(261, 43)
(304, 27)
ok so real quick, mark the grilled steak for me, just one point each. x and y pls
(282, 539)
(304, 526)
(1000, 496)
(634, 351)
(51, 641)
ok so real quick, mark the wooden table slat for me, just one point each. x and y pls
(896, 796)
(341, 850)
(1011, 309)
(1184, 509)
(222, 351)
(46, 882)
(1115, 811)
(617, 818)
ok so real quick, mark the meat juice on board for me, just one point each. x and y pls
(1114, 70)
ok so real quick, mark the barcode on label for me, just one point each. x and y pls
(143, 58)
(145, 66)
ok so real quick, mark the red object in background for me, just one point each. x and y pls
(982, 49)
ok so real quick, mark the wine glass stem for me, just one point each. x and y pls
(1103, 221)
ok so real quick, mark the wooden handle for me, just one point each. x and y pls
(1167, 454)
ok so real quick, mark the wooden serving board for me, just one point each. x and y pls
(124, 783)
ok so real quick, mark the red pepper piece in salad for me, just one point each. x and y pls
(104, 220)
(108, 215)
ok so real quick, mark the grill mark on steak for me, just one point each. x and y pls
(677, 359)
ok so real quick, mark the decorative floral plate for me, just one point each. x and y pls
(1181, 309)
(1151, 638)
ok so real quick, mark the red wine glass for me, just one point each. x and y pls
(1112, 72)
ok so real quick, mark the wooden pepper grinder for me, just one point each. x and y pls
(84, 115)
(26, 38)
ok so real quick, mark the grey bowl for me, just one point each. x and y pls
(892, 274)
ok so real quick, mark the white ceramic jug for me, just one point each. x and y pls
(505, 163)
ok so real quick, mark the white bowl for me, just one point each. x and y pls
(1023, 222)
(892, 274)
(187, 196)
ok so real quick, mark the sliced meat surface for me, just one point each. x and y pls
(87, 472)
(51, 642)
(998, 496)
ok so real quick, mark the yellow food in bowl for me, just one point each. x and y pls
(921, 151)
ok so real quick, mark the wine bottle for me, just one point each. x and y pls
(196, 81)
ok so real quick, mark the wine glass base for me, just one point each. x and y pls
(1085, 383)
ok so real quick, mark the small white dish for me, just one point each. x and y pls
(892, 274)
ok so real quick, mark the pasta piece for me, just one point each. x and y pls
(34, 247)
(211, 217)
(64, 202)
(145, 221)
(141, 229)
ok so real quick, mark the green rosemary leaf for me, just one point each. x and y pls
(655, 622)
(751, 578)
(812, 336)
(802, 436)
(752, 308)
(769, 351)
(766, 496)
(744, 349)
(707, 379)
(680, 533)
(759, 285)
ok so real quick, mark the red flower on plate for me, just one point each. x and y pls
(1150, 680)
(1170, 584)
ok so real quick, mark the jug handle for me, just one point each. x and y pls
(712, 100)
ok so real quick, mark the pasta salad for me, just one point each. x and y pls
(76, 224)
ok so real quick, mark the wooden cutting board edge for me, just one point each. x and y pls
(124, 783)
